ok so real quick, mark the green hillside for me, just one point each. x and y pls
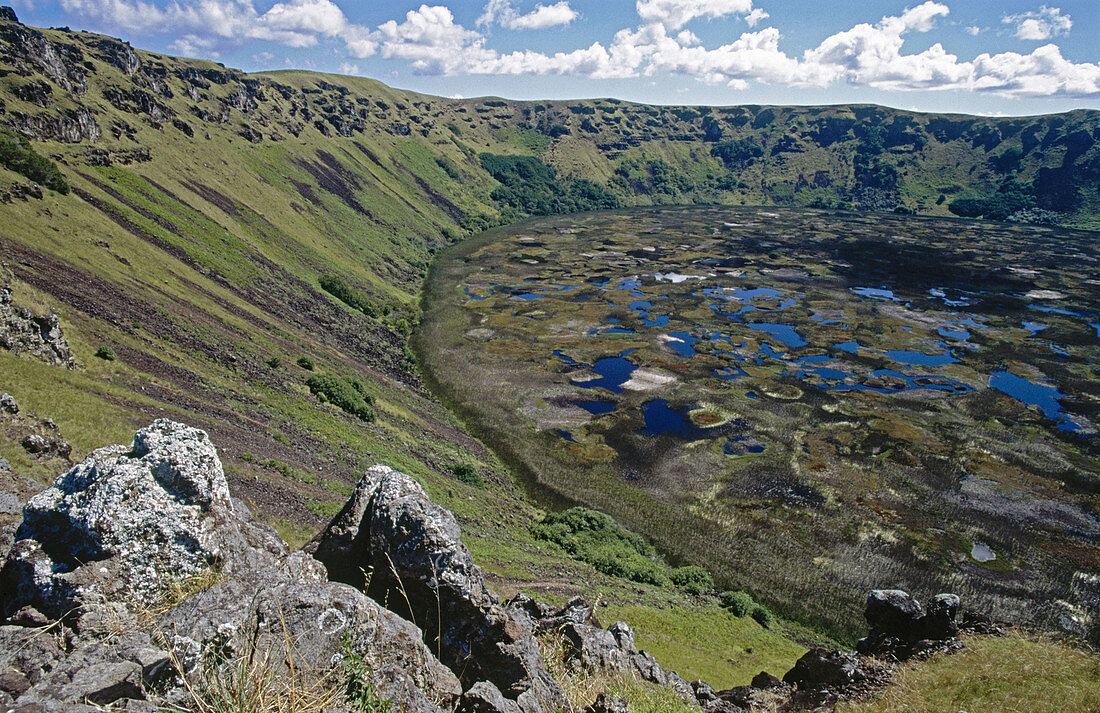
(207, 229)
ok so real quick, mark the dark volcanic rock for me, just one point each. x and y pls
(484, 697)
(606, 703)
(893, 611)
(420, 567)
(824, 668)
(900, 627)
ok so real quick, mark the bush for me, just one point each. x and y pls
(350, 296)
(347, 395)
(105, 353)
(529, 186)
(597, 539)
(737, 153)
(762, 616)
(465, 473)
(692, 579)
(274, 362)
(740, 604)
(16, 154)
(305, 362)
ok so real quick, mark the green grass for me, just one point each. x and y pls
(707, 642)
(1014, 674)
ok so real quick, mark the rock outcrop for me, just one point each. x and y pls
(27, 334)
(901, 628)
(392, 541)
(590, 648)
(109, 547)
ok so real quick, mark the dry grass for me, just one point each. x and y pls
(582, 687)
(260, 680)
(1014, 674)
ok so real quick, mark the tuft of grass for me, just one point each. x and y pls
(1009, 674)
(105, 353)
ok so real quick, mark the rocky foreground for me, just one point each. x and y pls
(136, 581)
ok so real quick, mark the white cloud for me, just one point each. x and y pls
(544, 16)
(754, 17)
(674, 14)
(430, 41)
(503, 13)
(349, 68)
(973, 30)
(1042, 25)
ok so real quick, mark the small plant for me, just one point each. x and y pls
(740, 604)
(305, 362)
(105, 353)
(361, 693)
(248, 456)
(465, 473)
(692, 579)
(274, 362)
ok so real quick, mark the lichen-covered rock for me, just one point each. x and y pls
(419, 566)
(613, 650)
(105, 544)
(158, 511)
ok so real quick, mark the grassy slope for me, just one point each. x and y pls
(998, 675)
(200, 263)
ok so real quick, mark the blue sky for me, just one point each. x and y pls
(1009, 57)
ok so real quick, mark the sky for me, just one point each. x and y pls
(1011, 57)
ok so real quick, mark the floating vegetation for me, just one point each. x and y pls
(752, 387)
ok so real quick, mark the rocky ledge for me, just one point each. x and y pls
(136, 577)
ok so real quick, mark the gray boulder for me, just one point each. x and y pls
(412, 553)
(123, 524)
(613, 650)
(103, 547)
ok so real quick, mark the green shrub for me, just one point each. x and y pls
(466, 473)
(350, 296)
(305, 362)
(16, 154)
(347, 395)
(762, 616)
(529, 186)
(274, 362)
(105, 353)
(740, 604)
(692, 579)
(737, 153)
(597, 539)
